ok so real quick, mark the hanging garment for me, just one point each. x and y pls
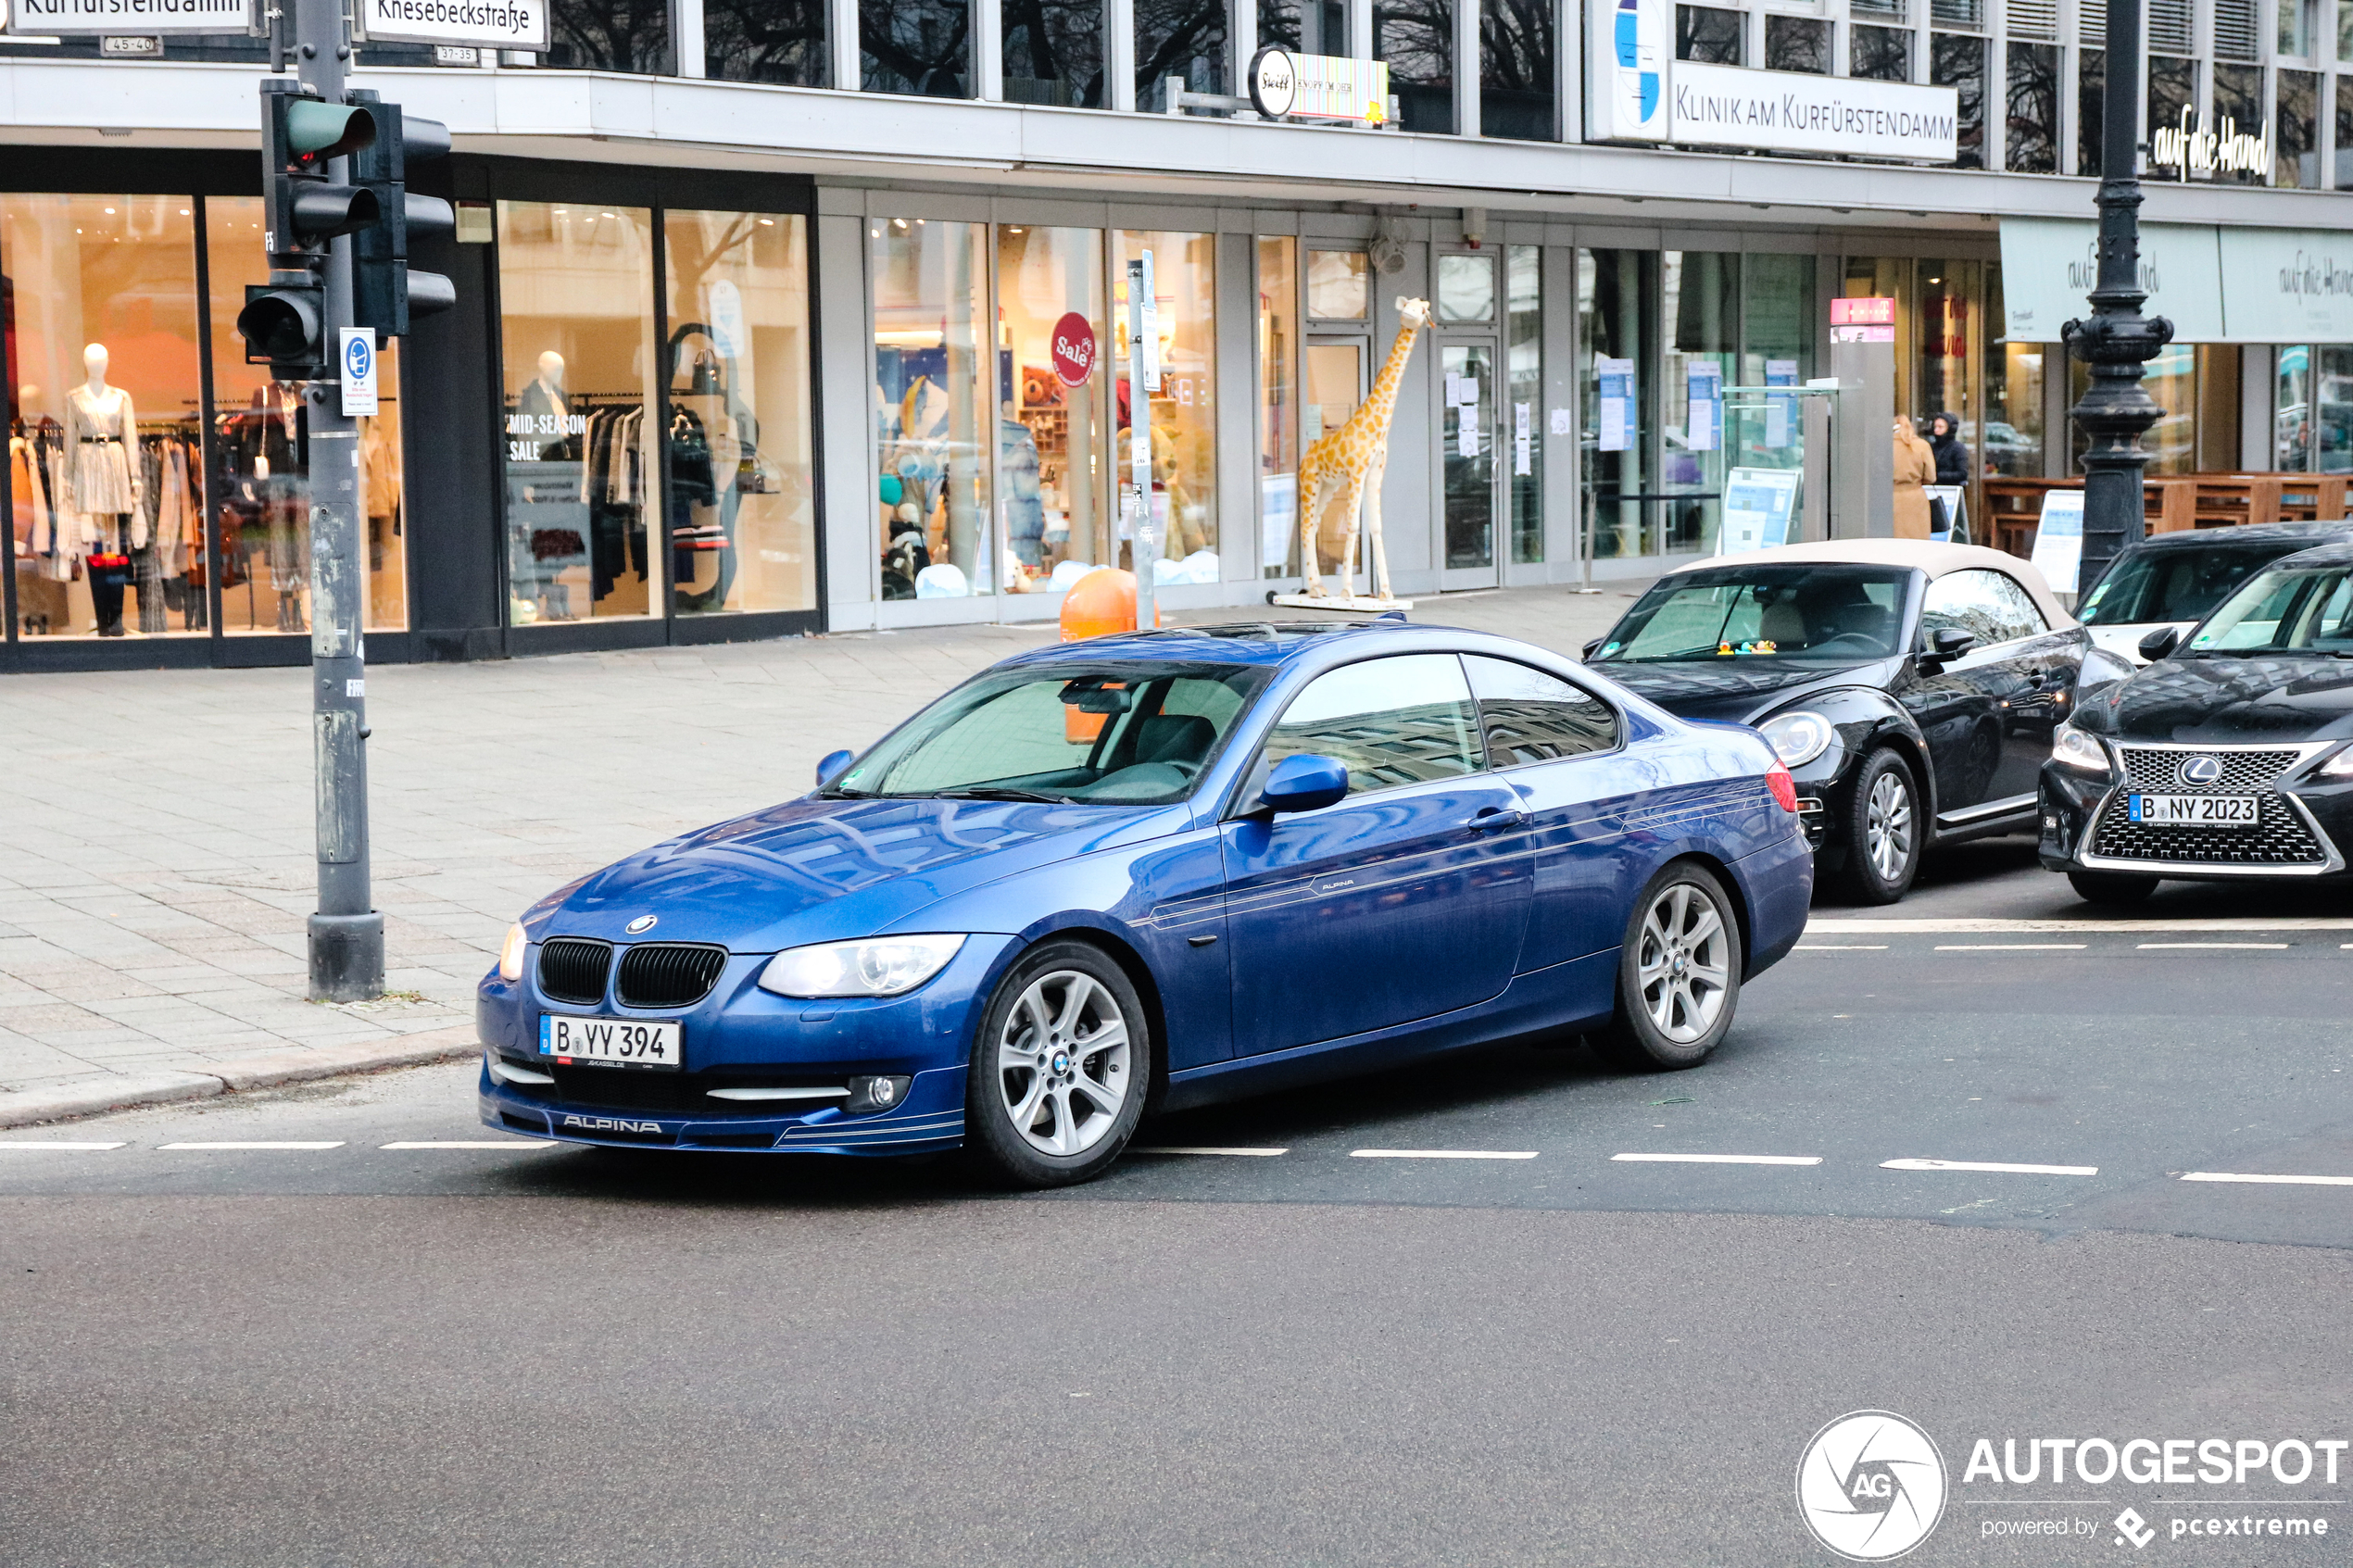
(100, 429)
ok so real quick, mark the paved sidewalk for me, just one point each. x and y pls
(155, 863)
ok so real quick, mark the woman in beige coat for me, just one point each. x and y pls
(1915, 466)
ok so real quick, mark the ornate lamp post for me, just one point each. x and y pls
(2117, 340)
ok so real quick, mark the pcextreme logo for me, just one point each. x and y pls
(1870, 1485)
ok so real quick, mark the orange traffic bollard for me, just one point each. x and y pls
(1099, 603)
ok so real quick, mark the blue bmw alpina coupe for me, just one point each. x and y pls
(1152, 870)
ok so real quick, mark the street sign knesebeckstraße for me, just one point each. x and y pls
(124, 17)
(1319, 86)
(490, 24)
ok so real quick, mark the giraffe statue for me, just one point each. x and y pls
(1350, 460)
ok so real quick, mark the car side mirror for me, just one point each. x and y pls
(829, 766)
(1592, 647)
(1306, 782)
(2160, 643)
(1946, 645)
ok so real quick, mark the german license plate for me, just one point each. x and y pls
(2197, 811)
(608, 1042)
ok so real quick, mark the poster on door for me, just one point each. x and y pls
(1617, 422)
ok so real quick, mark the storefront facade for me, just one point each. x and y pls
(741, 352)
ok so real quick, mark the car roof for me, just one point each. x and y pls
(1921, 555)
(2249, 533)
(2336, 553)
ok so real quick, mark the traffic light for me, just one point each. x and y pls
(284, 321)
(386, 291)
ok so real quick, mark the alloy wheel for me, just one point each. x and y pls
(1887, 826)
(1063, 1063)
(1683, 966)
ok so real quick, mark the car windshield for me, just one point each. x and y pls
(2307, 610)
(1134, 732)
(2175, 585)
(1826, 612)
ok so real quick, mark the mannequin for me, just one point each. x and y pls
(544, 402)
(104, 485)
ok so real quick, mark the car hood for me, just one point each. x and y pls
(1736, 692)
(2217, 701)
(815, 870)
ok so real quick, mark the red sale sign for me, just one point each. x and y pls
(1073, 349)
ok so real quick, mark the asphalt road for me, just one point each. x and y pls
(1438, 1317)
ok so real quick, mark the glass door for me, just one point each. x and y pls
(1335, 387)
(1467, 430)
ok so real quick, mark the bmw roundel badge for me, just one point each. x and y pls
(643, 922)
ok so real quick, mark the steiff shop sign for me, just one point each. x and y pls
(1790, 111)
(490, 24)
(1319, 86)
(2286, 285)
(54, 17)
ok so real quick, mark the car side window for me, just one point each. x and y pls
(1531, 717)
(1990, 606)
(1393, 722)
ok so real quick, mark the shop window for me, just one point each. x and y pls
(2300, 27)
(1180, 38)
(1338, 371)
(583, 443)
(2030, 106)
(1053, 52)
(1279, 397)
(2171, 379)
(1055, 463)
(1958, 62)
(626, 36)
(1466, 288)
(2332, 398)
(260, 488)
(1949, 296)
(1882, 276)
(1702, 292)
(1616, 356)
(2296, 140)
(784, 42)
(2173, 93)
(105, 403)
(1416, 37)
(1709, 35)
(1519, 51)
(2292, 407)
(1310, 27)
(1183, 413)
(1797, 43)
(1777, 320)
(743, 518)
(2238, 106)
(2090, 100)
(1521, 439)
(930, 290)
(2011, 440)
(1881, 54)
(919, 47)
(2345, 128)
(1339, 286)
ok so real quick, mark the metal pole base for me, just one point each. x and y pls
(347, 957)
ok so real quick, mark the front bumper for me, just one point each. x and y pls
(740, 1037)
(2080, 829)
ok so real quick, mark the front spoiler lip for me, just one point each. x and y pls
(816, 1132)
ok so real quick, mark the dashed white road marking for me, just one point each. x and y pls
(34, 1146)
(2279, 1180)
(1856, 926)
(1245, 1153)
(473, 1142)
(1724, 1159)
(1853, 946)
(333, 1143)
(1997, 1166)
(1441, 1154)
(2011, 947)
(2235, 947)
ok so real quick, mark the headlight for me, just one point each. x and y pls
(880, 966)
(2337, 767)
(1798, 738)
(2070, 747)
(510, 954)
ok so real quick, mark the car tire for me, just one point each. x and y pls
(1053, 1096)
(1679, 974)
(2117, 889)
(1884, 831)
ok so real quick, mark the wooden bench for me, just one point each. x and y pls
(2176, 503)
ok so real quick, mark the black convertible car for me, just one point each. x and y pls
(1911, 688)
(2229, 757)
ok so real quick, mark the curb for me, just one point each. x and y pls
(294, 1065)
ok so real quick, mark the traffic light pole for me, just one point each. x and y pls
(347, 933)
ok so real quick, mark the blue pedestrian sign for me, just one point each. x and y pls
(358, 361)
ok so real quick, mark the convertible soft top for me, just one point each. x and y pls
(1937, 560)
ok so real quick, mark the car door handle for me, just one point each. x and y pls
(1489, 819)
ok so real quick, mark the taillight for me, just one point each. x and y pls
(1784, 789)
